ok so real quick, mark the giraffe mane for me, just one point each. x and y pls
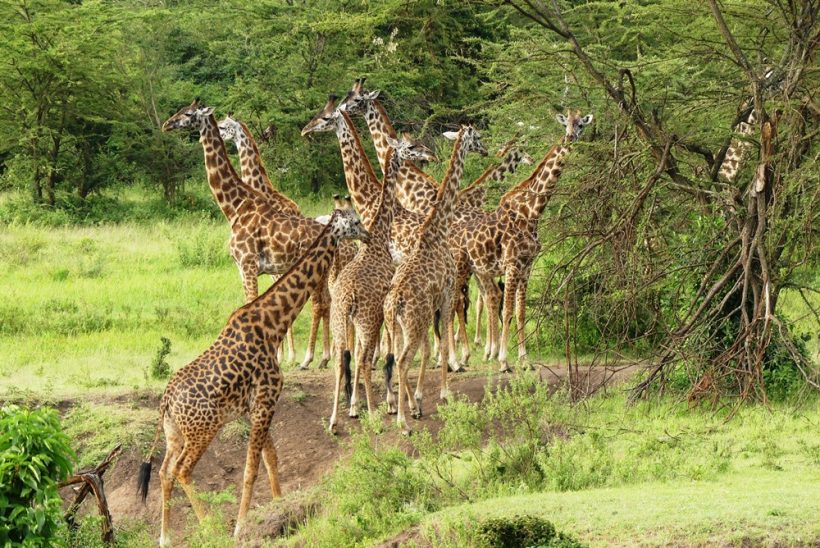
(523, 185)
(445, 182)
(358, 142)
(391, 131)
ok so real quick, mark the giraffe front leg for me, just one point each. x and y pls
(367, 346)
(479, 304)
(411, 345)
(291, 346)
(260, 433)
(521, 322)
(316, 317)
(512, 283)
(447, 353)
(271, 461)
(418, 395)
(249, 271)
(325, 310)
(340, 351)
(460, 315)
(490, 294)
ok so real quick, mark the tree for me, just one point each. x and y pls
(701, 260)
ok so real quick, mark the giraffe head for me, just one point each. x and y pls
(409, 149)
(326, 120)
(358, 97)
(574, 123)
(192, 115)
(470, 139)
(517, 155)
(229, 128)
(344, 223)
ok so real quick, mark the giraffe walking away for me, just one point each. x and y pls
(239, 375)
(263, 240)
(423, 288)
(360, 290)
(253, 172)
(504, 242)
(416, 191)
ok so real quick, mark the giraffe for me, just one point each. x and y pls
(254, 174)
(412, 184)
(360, 289)
(239, 375)
(361, 180)
(505, 242)
(263, 239)
(416, 190)
(252, 170)
(738, 149)
(423, 287)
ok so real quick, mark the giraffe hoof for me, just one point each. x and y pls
(505, 369)
(353, 414)
(322, 364)
(302, 367)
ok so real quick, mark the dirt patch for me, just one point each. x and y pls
(307, 452)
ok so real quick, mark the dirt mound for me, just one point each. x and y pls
(305, 448)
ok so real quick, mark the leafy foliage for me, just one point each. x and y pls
(34, 456)
(510, 532)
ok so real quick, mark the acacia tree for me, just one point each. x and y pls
(61, 89)
(656, 248)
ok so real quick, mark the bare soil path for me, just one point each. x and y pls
(307, 452)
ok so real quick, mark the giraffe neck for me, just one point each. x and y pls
(475, 194)
(737, 150)
(415, 190)
(254, 173)
(225, 184)
(440, 216)
(282, 302)
(529, 198)
(380, 229)
(380, 129)
(361, 181)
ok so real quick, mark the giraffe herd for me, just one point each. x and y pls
(420, 242)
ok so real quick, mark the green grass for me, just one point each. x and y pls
(762, 507)
(84, 307)
(606, 472)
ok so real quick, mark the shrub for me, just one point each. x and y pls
(160, 368)
(34, 456)
(521, 531)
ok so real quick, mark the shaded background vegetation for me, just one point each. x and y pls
(641, 224)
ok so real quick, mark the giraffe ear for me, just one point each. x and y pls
(451, 135)
(372, 95)
(561, 119)
(586, 119)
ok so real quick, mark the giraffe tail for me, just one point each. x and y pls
(465, 292)
(501, 286)
(390, 358)
(144, 477)
(348, 383)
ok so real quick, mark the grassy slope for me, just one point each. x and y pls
(761, 506)
(83, 308)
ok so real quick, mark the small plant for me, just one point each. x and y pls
(522, 531)
(160, 368)
(34, 456)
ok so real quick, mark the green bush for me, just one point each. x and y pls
(160, 368)
(521, 531)
(34, 456)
